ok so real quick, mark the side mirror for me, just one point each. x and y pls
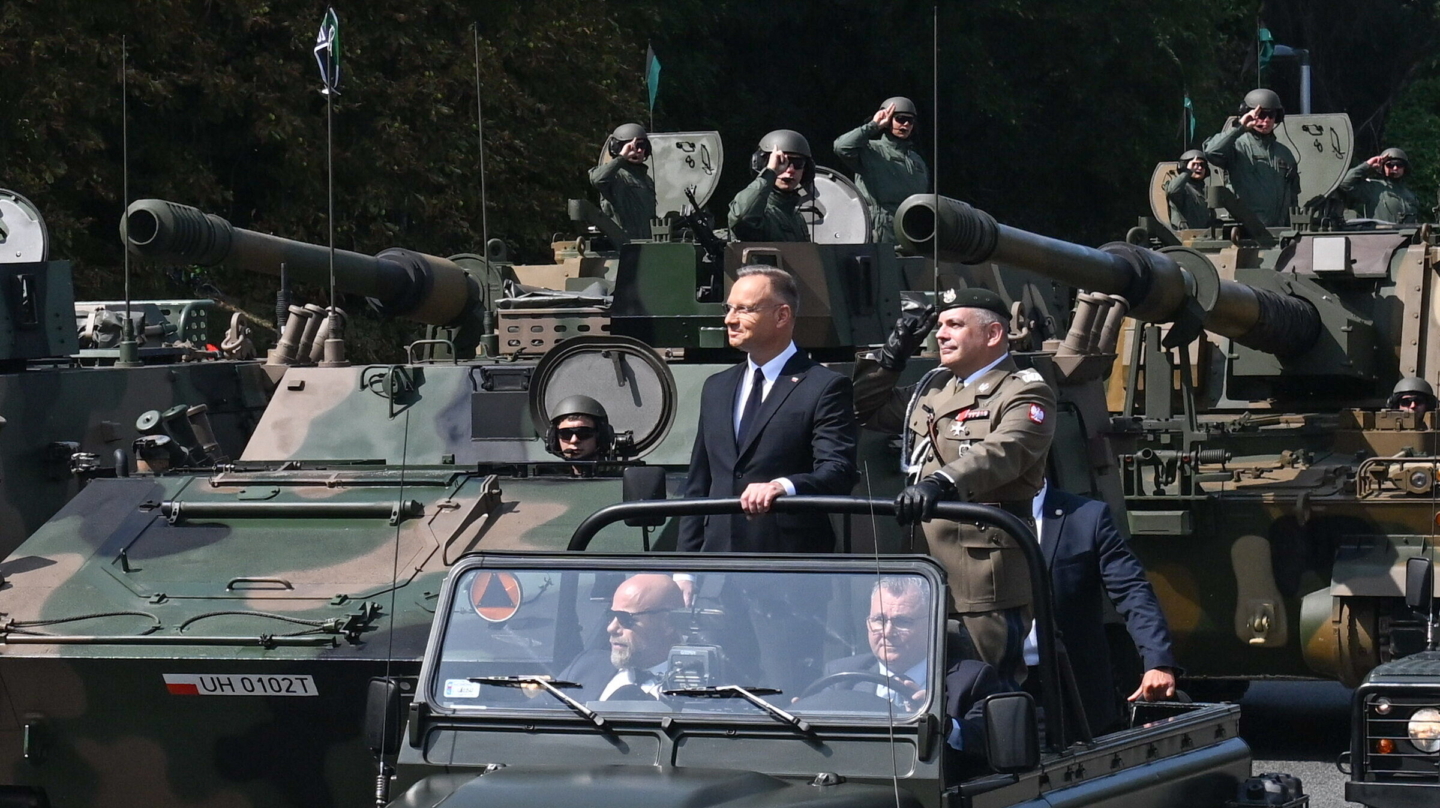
(641, 483)
(1419, 583)
(384, 726)
(1012, 735)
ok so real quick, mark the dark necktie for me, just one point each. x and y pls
(752, 406)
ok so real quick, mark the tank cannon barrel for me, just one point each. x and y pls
(1158, 287)
(405, 283)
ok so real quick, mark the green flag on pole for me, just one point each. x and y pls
(327, 52)
(1266, 50)
(652, 75)
(1189, 121)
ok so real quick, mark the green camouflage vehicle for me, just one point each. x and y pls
(507, 710)
(67, 414)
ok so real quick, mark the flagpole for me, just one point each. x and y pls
(333, 350)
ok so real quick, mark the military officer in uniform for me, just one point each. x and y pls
(1263, 171)
(1186, 192)
(888, 167)
(976, 429)
(1376, 188)
(627, 191)
(768, 209)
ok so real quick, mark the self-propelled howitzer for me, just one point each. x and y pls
(402, 283)
(1270, 493)
(1160, 286)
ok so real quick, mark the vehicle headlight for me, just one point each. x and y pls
(1424, 729)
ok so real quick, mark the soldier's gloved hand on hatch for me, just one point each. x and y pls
(914, 325)
(917, 502)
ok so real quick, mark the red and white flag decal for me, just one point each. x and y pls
(1037, 413)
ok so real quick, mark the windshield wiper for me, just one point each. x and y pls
(750, 694)
(549, 686)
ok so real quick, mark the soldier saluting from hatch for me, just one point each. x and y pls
(888, 166)
(977, 429)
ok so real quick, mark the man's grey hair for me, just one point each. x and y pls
(984, 317)
(899, 586)
(782, 283)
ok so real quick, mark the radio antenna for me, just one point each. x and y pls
(129, 354)
(480, 128)
(327, 56)
(935, 135)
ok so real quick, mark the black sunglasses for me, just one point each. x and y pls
(1394, 163)
(904, 119)
(627, 619)
(1264, 113)
(576, 433)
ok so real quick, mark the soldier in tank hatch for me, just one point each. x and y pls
(1263, 172)
(627, 191)
(888, 166)
(1376, 188)
(1186, 192)
(768, 209)
(580, 431)
(1412, 394)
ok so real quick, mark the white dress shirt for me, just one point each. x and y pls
(650, 683)
(771, 371)
(1037, 510)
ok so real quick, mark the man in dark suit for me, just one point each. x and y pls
(1089, 560)
(897, 629)
(777, 424)
(641, 631)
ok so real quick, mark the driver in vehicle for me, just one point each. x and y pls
(899, 648)
(641, 630)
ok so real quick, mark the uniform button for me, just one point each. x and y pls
(738, 475)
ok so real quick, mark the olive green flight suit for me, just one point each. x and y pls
(627, 195)
(762, 212)
(992, 439)
(1375, 197)
(887, 171)
(1263, 172)
(1188, 210)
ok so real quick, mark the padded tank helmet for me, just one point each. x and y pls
(1191, 155)
(1262, 98)
(1396, 153)
(624, 133)
(571, 406)
(903, 105)
(1411, 385)
(790, 142)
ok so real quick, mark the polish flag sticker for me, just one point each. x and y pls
(1037, 413)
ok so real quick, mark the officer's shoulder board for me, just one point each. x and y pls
(1029, 376)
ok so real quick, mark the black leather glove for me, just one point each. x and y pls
(915, 324)
(917, 502)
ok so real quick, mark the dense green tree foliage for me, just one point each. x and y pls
(1051, 115)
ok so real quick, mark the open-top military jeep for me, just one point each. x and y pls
(503, 714)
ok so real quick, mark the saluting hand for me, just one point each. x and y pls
(778, 160)
(914, 325)
(883, 116)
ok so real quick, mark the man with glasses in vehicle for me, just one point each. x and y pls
(898, 630)
(641, 630)
(627, 191)
(888, 166)
(768, 209)
(1375, 189)
(1263, 172)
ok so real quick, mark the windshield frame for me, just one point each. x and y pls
(699, 563)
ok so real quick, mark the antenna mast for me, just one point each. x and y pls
(129, 353)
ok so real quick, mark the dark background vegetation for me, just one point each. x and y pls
(1051, 115)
